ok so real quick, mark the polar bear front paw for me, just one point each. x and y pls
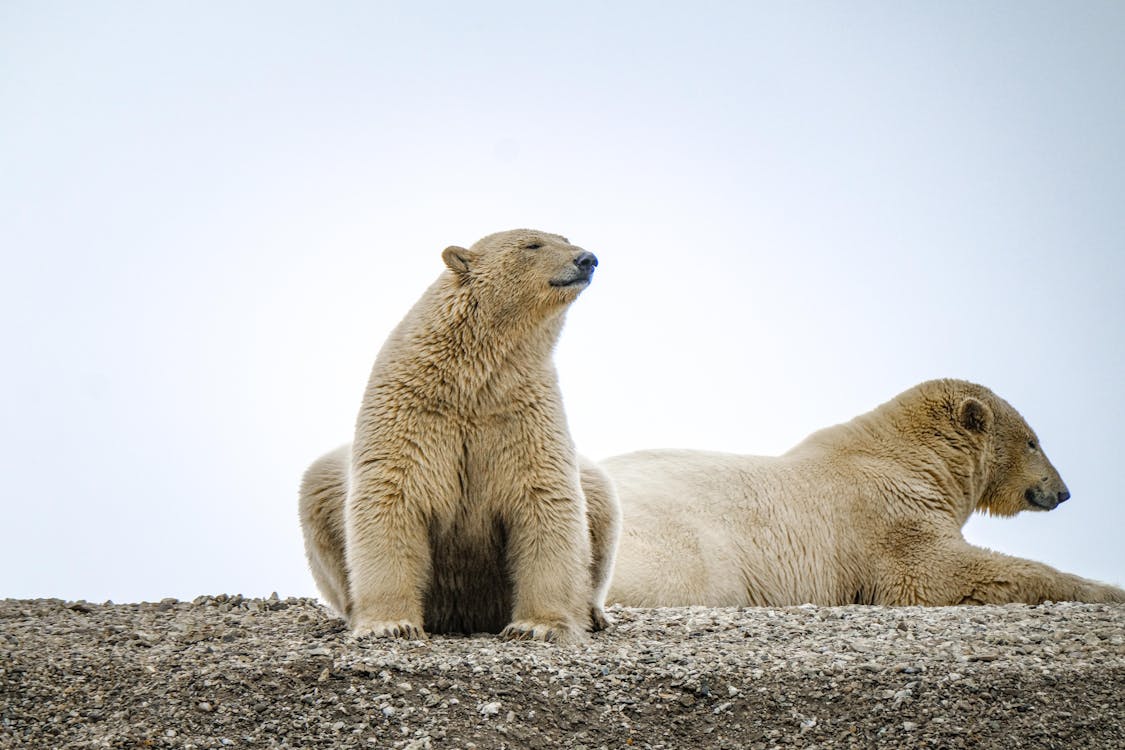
(562, 633)
(599, 620)
(389, 629)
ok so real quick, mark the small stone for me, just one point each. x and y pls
(909, 726)
(205, 707)
(490, 709)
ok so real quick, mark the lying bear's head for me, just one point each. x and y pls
(522, 271)
(1019, 475)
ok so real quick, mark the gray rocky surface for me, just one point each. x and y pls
(231, 672)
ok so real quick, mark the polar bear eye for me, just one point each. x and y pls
(1031, 444)
(533, 246)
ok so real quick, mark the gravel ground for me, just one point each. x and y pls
(231, 672)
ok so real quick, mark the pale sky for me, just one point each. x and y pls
(212, 214)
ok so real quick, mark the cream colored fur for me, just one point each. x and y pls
(461, 506)
(869, 511)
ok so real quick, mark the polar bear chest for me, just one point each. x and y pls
(470, 587)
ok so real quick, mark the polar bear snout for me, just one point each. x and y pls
(1045, 499)
(586, 262)
(581, 271)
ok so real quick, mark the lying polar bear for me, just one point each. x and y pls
(868, 512)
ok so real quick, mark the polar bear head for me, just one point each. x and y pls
(1020, 476)
(521, 272)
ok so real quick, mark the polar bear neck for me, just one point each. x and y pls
(926, 463)
(452, 346)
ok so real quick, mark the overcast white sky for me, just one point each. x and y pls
(211, 215)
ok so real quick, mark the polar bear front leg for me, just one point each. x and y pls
(603, 518)
(960, 573)
(549, 558)
(987, 577)
(388, 559)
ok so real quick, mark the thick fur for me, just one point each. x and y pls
(461, 506)
(869, 511)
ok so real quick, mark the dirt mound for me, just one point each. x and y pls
(230, 672)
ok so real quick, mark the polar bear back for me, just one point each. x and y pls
(713, 529)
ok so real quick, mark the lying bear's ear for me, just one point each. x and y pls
(458, 259)
(974, 415)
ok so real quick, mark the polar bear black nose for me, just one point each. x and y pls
(1064, 496)
(586, 261)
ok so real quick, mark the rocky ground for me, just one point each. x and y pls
(230, 672)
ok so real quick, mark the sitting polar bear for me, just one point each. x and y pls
(461, 506)
(866, 512)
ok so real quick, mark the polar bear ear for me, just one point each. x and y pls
(974, 415)
(458, 259)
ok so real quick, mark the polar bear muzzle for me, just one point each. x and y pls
(581, 272)
(1042, 499)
